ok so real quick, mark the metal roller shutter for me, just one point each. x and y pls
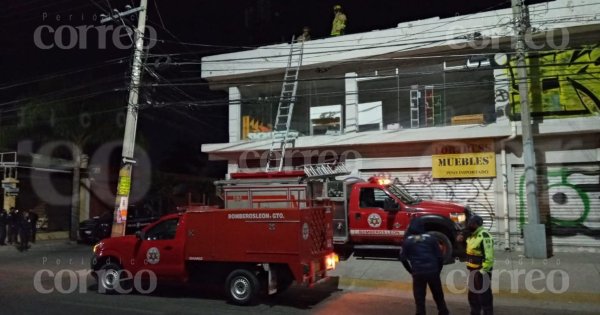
(569, 202)
(477, 193)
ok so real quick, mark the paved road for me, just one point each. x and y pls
(18, 294)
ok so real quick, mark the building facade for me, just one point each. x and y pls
(434, 105)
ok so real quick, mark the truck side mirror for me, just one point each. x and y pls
(139, 235)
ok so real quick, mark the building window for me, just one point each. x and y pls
(318, 110)
(408, 97)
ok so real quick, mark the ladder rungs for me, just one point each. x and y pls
(281, 128)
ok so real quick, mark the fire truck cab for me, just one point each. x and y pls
(367, 215)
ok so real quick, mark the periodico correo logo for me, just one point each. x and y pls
(87, 36)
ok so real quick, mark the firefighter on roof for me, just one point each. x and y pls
(339, 21)
(305, 36)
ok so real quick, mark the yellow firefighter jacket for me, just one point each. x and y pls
(339, 24)
(480, 250)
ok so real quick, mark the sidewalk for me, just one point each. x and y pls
(563, 278)
(58, 235)
(45, 240)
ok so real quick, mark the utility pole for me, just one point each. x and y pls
(534, 232)
(10, 183)
(124, 185)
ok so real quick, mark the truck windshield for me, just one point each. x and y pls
(402, 194)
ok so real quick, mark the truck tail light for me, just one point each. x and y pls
(331, 260)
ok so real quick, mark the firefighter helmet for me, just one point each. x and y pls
(476, 220)
(337, 7)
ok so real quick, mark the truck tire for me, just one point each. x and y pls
(242, 287)
(109, 278)
(445, 246)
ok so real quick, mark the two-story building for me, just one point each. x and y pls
(426, 101)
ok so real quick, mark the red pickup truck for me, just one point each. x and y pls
(249, 250)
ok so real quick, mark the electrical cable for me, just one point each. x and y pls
(64, 73)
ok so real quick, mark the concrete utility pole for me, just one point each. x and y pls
(10, 183)
(534, 232)
(124, 185)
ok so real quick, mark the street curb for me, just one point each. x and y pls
(52, 236)
(567, 297)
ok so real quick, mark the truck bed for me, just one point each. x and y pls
(258, 235)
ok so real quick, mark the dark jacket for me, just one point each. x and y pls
(3, 217)
(24, 222)
(420, 251)
(12, 218)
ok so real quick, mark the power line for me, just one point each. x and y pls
(342, 77)
(174, 85)
(440, 86)
(438, 24)
(64, 73)
(106, 80)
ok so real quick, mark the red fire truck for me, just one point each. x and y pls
(276, 228)
(251, 250)
(367, 215)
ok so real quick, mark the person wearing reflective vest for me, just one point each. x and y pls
(338, 25)
(480, 261)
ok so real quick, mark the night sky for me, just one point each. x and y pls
(187, 30)
(231, 23)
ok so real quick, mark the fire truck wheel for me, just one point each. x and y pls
(109, 278)
(445, 245)
(242, 287)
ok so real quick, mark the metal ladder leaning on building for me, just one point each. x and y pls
(280, 137)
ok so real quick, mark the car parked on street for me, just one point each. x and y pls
(99, 227)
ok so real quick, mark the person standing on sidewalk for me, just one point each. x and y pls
(12, 218)
(480, 261)
(422, 258)
(34, 219)
(24, 230)
(3, 222)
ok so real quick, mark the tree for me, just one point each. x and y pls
(79, 125)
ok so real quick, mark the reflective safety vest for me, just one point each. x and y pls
(338, 25)
(480, 250)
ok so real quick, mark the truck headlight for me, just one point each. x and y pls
(458, 217)
(95, 248)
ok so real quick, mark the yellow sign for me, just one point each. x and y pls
(463, 146)
(467, 165)
(124, 185)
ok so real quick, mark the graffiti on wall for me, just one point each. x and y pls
(573, 201)
(501, 94)
(477, 193)
(561, 83)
